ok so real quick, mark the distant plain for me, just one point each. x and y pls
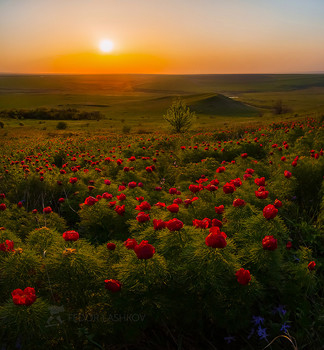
(140, 101)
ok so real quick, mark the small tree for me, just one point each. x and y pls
(61, 126)
(179, 116)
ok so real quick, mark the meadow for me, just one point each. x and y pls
(141, 100)
(145, 239)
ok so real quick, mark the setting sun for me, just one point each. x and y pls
(106, 45)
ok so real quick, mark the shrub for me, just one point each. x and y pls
(61, 126)
(179, 116)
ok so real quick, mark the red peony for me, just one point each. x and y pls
(243, 276)
(287, 174)
(71, 236)
(7, 246)
(113, 285)
(173, 208)
(120, 209)
(130, 243)
(24, 297)
(270, 211)
(73, 180)
(90, 201)
(143, 206)
(144, 250)
(174, 224)
(220, 209)
(260, 181)
(159, 224)
(238, 202)
(216, 238)
(121, 197)
(277, 203)
(228, 188)
(142, 217)
(47, 210)
(269, 243)
(262, 194)
(3, 207)
(111, 246)
(311, 266)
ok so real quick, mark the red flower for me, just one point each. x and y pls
(47, 210)
(216, 238)
(73, 180)
(260, 181)
(220, 209)
(277, 203)
(173, 190)
(236, 182)
(177, 201)
(120, 209)
(262, 194)
(173, 208)
(2, 196)
(228, 188)
(3, 207)
(205, 223)
(194, 188)
(160, 205)
(174, 224)
(270, 211)
(132, 184)
(243, 276)
(24, 297)
(90, 201)
(107, 182)
(188, 201)
(142, 217)
(19, 205)
(130, 243)
(269, 243)
(71, 236)
(121, 197)
(238, 202)
(111, 246)
(287, 174)
(113, 285)
(159, 224)
(107, 195)
(289, 245)
(7, 246)
(143, 206)
(311, 266)
(34, 211)
(249, 171)
(244, 155)
(144, 250)
(217, 223)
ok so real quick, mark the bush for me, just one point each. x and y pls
(179, 116)
(61, 126)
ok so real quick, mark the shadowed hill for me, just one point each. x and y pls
(217, 104)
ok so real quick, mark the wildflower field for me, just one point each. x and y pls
(208, 240)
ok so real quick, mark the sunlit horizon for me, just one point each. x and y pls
(161, 37)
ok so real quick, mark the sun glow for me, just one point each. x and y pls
(106, 45)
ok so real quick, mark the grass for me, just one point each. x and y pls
(139, 101)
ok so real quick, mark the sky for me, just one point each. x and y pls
(162, 36)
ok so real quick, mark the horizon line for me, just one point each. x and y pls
(182, 74)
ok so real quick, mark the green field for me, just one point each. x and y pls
(141, 100)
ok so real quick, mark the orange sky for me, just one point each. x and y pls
(162, 36)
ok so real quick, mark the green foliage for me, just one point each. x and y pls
(179, 116)
(61, 126)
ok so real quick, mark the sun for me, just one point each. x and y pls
(106, 45)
